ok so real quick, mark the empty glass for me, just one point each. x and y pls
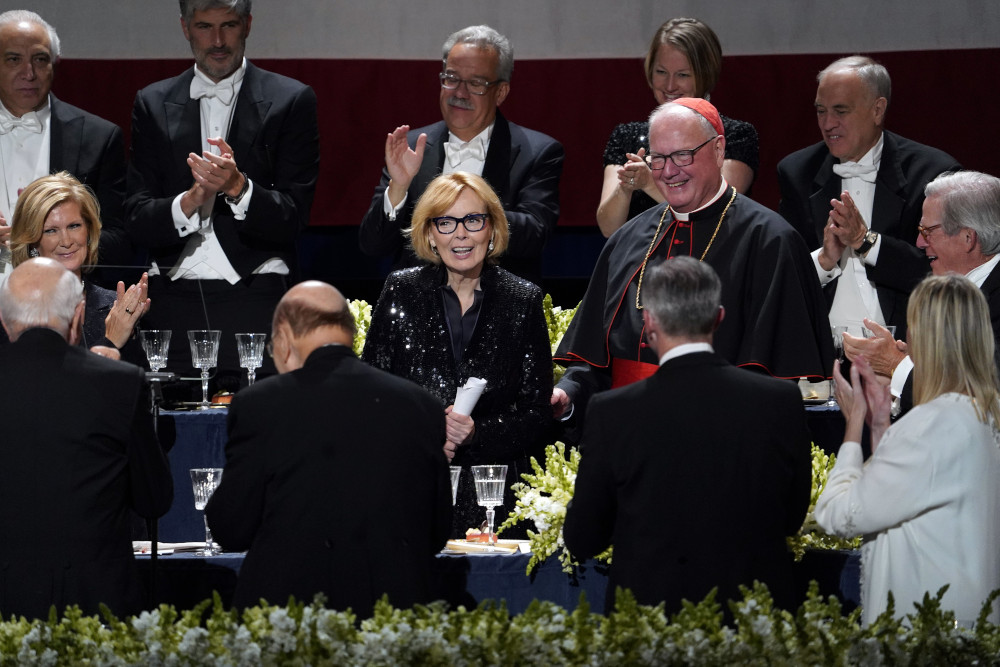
(251, 349)
(490, 483)
(204, 481)
(456, 472)
(204, 355)
(156, 344)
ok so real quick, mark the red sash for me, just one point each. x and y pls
(627, 371)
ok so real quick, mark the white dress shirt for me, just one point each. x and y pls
(24, 156)
(927, 502)
(856, 297)
(203, 256)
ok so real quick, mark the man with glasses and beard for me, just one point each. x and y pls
(522, 166)
(776, 318)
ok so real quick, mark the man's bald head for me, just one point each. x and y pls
(40, 293)
(310, 315)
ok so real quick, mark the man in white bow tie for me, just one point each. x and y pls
(856, 197)
(40, 135)
(522, 166)
(223, 168)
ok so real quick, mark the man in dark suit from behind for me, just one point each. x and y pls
(335, 480)
(41, 135)
(78, 453)
(698, 473)
(522, 165)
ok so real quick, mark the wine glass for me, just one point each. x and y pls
(204, 481)
(204, 355)
(251, 349)
(456, 472)
(838, 348)
(156, 344)
(490, 481)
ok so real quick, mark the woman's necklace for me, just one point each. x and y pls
(652, 244)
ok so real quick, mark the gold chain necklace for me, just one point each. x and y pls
(649, 252)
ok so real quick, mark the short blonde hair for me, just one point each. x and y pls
(951, 343)
(439, 196)
(36, 203)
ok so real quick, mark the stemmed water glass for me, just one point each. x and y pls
(204, 355)
(490, 482)
(204, 481)
(251, 349)
(156, 344)
(838, 348)
(456, 473)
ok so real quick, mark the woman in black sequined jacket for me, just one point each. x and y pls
(462, 317)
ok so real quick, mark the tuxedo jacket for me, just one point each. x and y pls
(78, 453)
(523, 167)
(92, 149)
(808, 183)
(275, 140)
(336, 482)
(695, 475)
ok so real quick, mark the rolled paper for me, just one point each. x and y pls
(467, 396)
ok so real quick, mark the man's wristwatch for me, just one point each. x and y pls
(233, 201)
(866, 245)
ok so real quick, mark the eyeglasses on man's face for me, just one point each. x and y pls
(658, 161)
(927, 231)
(476, 86)
(473, 222)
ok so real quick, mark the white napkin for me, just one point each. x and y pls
(466, 397)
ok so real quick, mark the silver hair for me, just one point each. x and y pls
(872, 73)
(38, 308)
(189, 7)
(667, 106)
(683, 295)
(969, 200)
(23, 15)
(484, 37)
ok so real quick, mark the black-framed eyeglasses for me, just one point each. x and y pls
(476, 86)
(473, 222)
(658, 161)
(927, 231)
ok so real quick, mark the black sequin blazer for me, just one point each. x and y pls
(509, 349)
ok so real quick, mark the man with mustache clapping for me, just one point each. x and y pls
(522, 165)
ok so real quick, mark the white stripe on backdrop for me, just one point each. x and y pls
(539, 29)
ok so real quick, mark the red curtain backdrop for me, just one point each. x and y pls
(578, 102)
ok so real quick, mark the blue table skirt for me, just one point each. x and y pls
(196, 439)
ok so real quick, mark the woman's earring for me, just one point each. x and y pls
(33, 252)
(434, 248)
(491, 245)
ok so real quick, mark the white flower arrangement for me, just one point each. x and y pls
(818, 633)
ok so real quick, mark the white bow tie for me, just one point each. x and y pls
(28, 121)
(222, 91)
(458, 152)
(866, 172)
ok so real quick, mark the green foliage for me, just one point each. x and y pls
(545, 634)
(811, 535)
(362, 313)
